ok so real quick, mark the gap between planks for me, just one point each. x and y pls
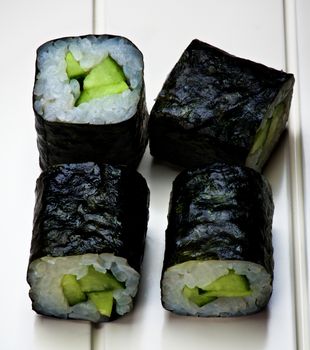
(99, 15)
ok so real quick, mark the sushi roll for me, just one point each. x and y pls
(88, 239)
(219, 256)
(89, 101)
(215, 107)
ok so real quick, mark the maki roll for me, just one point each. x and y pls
(88, 239)
(219, 255)
(89, 101)
(216, 107)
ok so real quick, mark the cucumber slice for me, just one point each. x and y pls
(74, 70)
(229, 285)
(193, 294)
(95, 281)
(261, 137)
(103, 301)
(107, 78)
(100, 91)
(276, 119)
(105, 73)
(72, 290)
(267, 132)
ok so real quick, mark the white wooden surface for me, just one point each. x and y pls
(162, 29)
(24, 25)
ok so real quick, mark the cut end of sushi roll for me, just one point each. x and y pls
(269, 132)
(93, 287)
(216, 288)
(91, 79)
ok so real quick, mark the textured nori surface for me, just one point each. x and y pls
(87, 208)
(211, 106)
(220, 212)
(121, 143)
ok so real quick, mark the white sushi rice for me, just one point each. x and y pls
(201, 273)
(45, 274)
(55, 94)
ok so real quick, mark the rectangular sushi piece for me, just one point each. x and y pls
(89, 101)
(219, 255)
(217, 107)
(89, 230)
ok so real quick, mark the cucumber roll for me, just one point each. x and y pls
(219, 255)
(215, 107)
(89, 101)
(88, 239)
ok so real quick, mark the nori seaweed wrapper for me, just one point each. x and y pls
(212, 107)
(220, 212)
(121, 143)
(89, 208)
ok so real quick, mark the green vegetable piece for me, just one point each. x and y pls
(107, 78)
(103, 301)
(261, 137)
(95, 281)
(101, 91)
(265, 134)
(276, 119)
(108, 72)
(72, 290)
(229, 285)
(74, 70)
(194, 295)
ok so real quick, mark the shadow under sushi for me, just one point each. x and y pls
(53, 333)
(234, 333)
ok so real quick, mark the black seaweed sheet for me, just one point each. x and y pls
(220, 212)
(211, 106)
(121, 143)
(87, 208)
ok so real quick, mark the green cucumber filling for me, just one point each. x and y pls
(106, 78)
(267, 131)
(229, 285)
(95, 286)
(74, 70)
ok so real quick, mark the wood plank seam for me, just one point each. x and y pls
(99, 16)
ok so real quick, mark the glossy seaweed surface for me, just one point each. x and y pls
(121, 143)
(212, 105)
(87, 208)
(220, 212)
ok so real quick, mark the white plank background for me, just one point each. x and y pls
(24, 25)
(253, 29)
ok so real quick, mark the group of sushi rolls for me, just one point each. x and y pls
(91, 210)
(220, 117)
(217, 115)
